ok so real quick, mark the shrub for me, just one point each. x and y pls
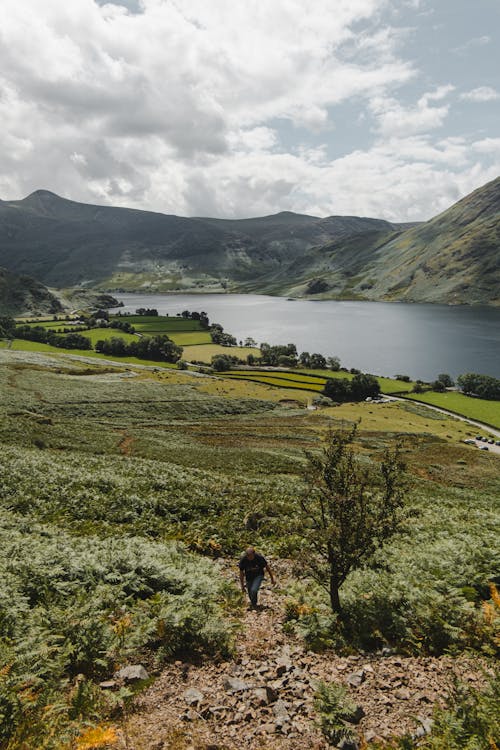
(335, 708)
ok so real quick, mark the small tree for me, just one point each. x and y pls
(349, 510)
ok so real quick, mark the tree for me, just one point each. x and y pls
(317, 362)
(445, 379)
(333, 363)
(483, 386)
(220, 362)
(348, 511)
(364, 386)
(7, 326)
(438, 386)
(338, 389)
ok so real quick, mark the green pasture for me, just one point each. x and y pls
(103, 334)
(160, 324)
(473, 408)
(205, 352)
(190, 338)
(387, 385)
(313, 380)
(278, 380)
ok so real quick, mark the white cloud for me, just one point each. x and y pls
(481, 94)
(395, 119)
(175, 108)
(471, 44)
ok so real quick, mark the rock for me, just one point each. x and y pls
(356, 716)
(193, 697)
(261, 696)
(108, 684)
(370, 736)
(403, 694)
(424, 728)
(267, 728)
(271, 694)
(133, 673)
(189, 715)
(355, 679)
(281, 712)
(422, 697)
(348, 745)
(235, 685)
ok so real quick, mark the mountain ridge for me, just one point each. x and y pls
(453, 258)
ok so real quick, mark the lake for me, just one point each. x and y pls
(383, 338)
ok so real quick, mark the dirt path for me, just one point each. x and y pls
(264, 697)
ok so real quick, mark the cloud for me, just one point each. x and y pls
(471, 44)
(481, 94)
(395, 119)
(228, 108)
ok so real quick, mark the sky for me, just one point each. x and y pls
(237, 108)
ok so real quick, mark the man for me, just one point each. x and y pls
(252, 567)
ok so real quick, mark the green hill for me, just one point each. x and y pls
(454, 258)
(22, 295)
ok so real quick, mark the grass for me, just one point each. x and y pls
(160, 324)
(205, 352)
(473, 408)
(99, 471)
(190, 338)
(312, 380)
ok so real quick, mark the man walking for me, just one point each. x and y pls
(252, 567)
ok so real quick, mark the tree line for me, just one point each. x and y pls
(159, 348)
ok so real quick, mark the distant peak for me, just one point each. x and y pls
(42, 194)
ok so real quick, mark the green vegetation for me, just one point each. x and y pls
(109, 477)
(469, 720)
(348, 511)
(336, 709)
(473, 408)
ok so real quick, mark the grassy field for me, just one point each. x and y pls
(102, 472)
(205, 352)
(313, 380)
(387, 385)
(190, 338)
(474, 408)
(161, 324)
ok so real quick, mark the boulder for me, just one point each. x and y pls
(133, 673)
(355, 679)
(235, 685)
(193, 697)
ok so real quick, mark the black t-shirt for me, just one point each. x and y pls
(253, 568)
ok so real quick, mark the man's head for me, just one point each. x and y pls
(250, 553)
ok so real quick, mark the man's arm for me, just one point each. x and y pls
(242, 580)
(271, 576)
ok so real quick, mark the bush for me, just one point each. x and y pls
(335, 708)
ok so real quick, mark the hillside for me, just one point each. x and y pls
(454, 258)
(22, 295)
(118, 487)
(64, 243)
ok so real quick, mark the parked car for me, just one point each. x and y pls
(491, 441)
(483, 448)
(497, 442)
(470, 441)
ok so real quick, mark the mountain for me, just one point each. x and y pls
(453, 258)
(63, 243)
(22, 295)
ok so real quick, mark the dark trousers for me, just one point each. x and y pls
(253, 586)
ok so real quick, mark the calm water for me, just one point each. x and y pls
(378, 337)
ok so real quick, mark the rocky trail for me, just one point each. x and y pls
(263, 698)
